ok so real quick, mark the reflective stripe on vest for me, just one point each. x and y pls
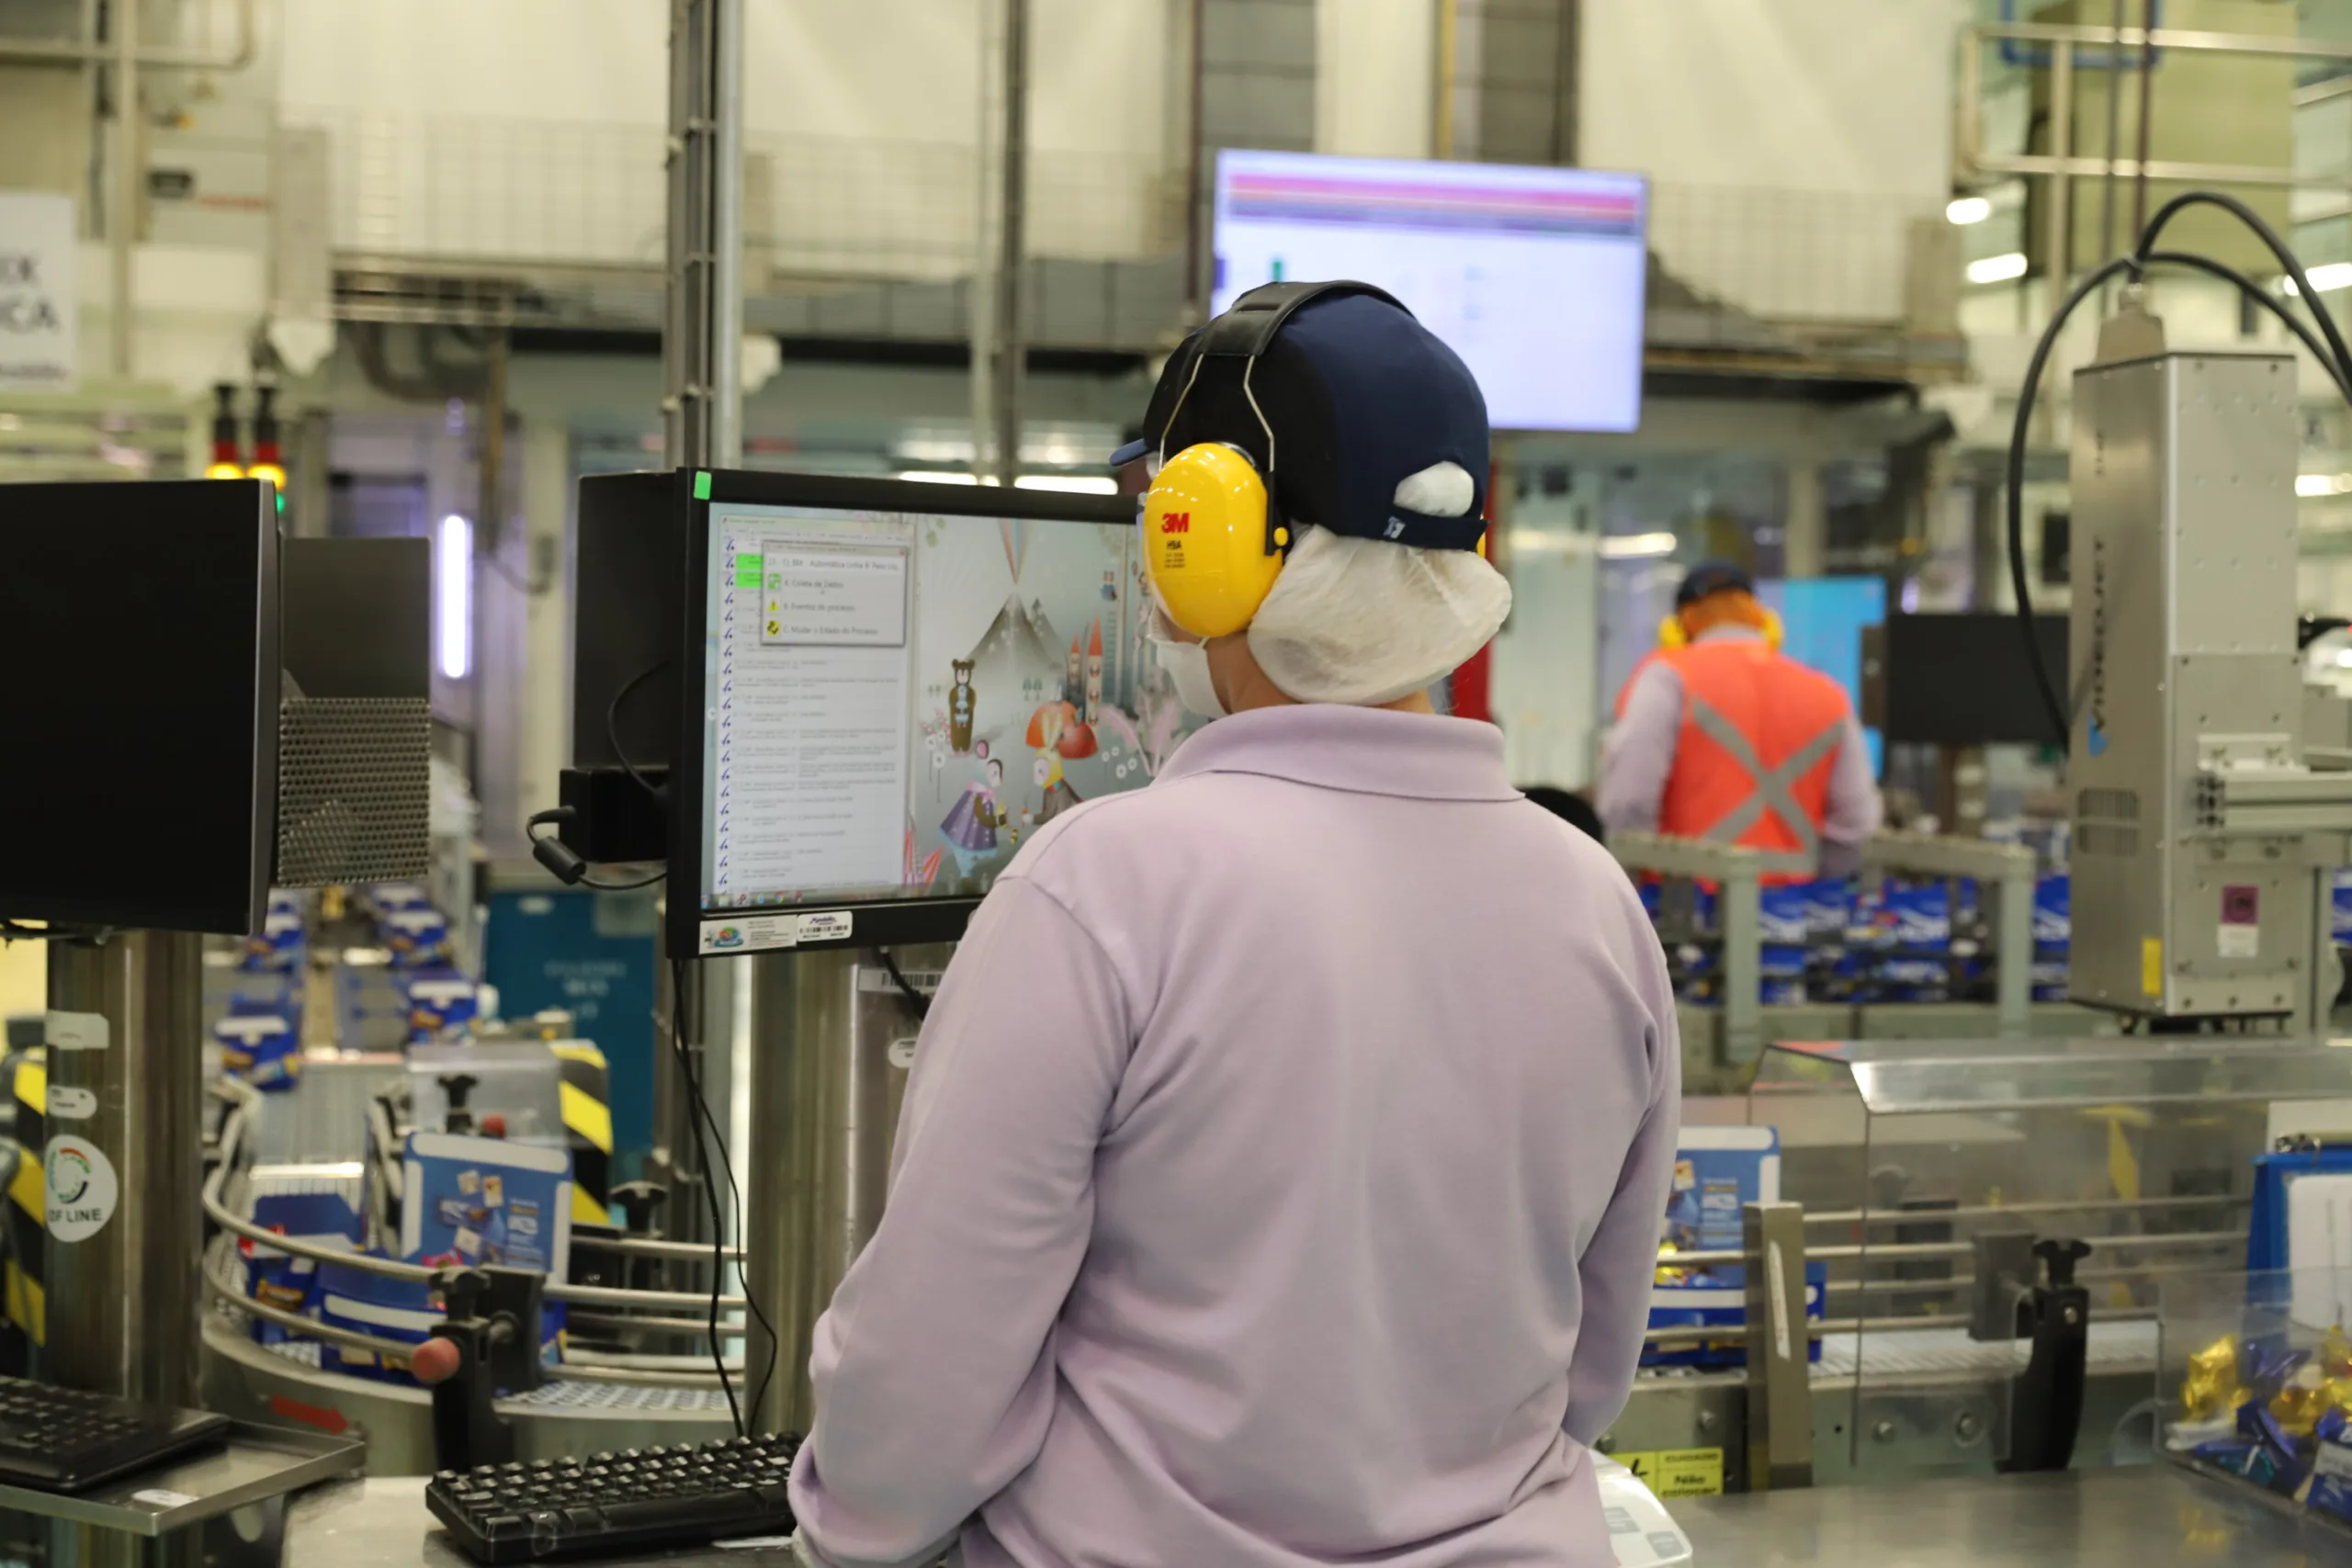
(1758, 735)
(1772, 786)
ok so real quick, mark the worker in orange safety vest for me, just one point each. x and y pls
(1721, 736)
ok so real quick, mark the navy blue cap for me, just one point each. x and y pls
(1710, 578)
(1359, 395)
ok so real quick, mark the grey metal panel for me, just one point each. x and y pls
(2182, 631)
(1270, 106)
(1247, 32)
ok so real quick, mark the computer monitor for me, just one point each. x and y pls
(1961, 678)
(139, 715)
(890, 688)
(1534, 275)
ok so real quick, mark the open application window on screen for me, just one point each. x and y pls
(895, 701)
(1534, 275)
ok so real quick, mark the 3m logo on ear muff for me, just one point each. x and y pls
(1208, 550)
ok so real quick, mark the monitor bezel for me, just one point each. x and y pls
(872, 922)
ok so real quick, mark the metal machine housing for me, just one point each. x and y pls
(2185, 686)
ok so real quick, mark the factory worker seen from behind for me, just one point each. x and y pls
(1281, 1170)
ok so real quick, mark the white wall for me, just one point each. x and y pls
(1375, 76)
(896, 69)
(1850, 96)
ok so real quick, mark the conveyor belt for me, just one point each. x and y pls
(1893, 1354)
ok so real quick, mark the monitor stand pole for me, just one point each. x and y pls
(832, 1040)
(119, 1176)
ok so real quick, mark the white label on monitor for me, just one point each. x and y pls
(76, 1032)
(825, 925)
(749, 933)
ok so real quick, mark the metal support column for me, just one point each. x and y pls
(702, 406)
(832, 1046)
(998, 347)
(1780, 1348)
(121, 1175)
(702, 387)
(122, 218)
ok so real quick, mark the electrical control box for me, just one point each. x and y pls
(2195, 871)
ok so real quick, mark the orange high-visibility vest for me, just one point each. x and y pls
(1760, 738)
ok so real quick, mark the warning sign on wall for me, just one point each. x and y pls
(1678, 1472)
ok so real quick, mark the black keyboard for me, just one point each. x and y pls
(636, 1499)
(61, 1439)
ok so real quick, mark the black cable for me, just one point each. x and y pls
(611, 726)
(2288, 263)
(2335, 357)
(702, 1151)
(11, 931)
(750, 1302)
(2269, 302)
(704, 1117)
(2042, 680)
(565, 864)
(916, 1001)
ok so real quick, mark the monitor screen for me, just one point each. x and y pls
(1966, 680)
(1534, 275)
(141, 721)
(897, 695)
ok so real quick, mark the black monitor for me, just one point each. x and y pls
(138, 718)
(1962, 679)
(887, 688)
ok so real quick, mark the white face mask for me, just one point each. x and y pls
(1187, 664)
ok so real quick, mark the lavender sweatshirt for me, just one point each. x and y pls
(1279, 1183)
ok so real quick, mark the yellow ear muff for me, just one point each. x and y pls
(1210, 556)
(1774, 631)
(1670, 633)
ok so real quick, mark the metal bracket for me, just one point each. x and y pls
(1780, 1348)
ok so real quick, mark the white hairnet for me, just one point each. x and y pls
(1366, 622)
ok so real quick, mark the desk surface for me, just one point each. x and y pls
(2146, 1518)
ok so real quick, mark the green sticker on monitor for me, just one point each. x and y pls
(702, 486)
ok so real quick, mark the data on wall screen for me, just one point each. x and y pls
(898, 700)
(1535, 277)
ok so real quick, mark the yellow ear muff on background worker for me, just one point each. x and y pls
(1714, 594)
(1374, 490)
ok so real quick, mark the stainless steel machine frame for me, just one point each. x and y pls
(2202, 839)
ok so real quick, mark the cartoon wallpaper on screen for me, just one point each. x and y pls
(1054, 700)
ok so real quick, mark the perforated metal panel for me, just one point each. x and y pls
(354, 803)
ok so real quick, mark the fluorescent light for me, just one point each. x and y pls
(2310, 485)
(2344, 658)
(1076, 484)
(938, 476)
(452, 579)
(1997, 269)
(1635, 547)
(1966, 209)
